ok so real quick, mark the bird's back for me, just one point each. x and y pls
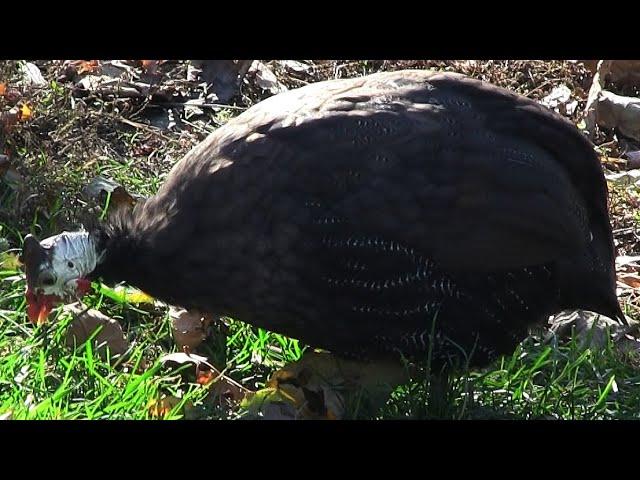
(351, 213)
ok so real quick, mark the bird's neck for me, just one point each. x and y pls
(125, 253)
(134, 249)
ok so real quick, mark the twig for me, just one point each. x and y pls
(147, 128)
(539, 87)
(206, 105)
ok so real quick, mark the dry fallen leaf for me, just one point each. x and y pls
(222, 386)
(189, 327)
(86, 322)
(161, 408)
(558, 96)
(84, 66)
(266, 79)
(295, 66)
(3, 89)
(10, 118)
(223, 76)
(25, 112)
(207, 375)
(150, 66)
(100, 187)
(630, 279)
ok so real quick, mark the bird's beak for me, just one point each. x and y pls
(39, 304)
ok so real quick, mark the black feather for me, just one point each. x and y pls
(380, 216)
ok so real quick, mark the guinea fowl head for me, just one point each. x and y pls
(57, 270)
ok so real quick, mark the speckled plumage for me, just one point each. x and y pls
(352, 213)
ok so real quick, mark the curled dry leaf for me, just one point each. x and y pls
(162, 407)
(189, 327)
(9, 119)
(222, 76)
(86, 66)
(12, 95)
(84, 325)
(223, 387)
(25, 112)
(266, 79)
(207, 375)
(101, 187)
(558, 96)
(630, 279)
(150, 66)
(617, 111)
(295, 66)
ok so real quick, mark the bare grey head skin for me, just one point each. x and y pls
(57, 270)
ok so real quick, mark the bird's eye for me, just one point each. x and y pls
(70, 264)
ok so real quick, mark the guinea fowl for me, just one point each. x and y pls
(376, 217)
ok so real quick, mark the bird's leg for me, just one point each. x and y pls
(439, 393)
(335, 387)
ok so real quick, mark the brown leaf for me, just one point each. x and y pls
(86, 322)
(100, 186)
(160, 408)
(9, 119)
(189, 327)
(630, 279)
(3, 89)
(84, 66)
(150, 66)
(223, 76)
(12, 95)
(207, 375)
(266, 79)
(222, 386)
